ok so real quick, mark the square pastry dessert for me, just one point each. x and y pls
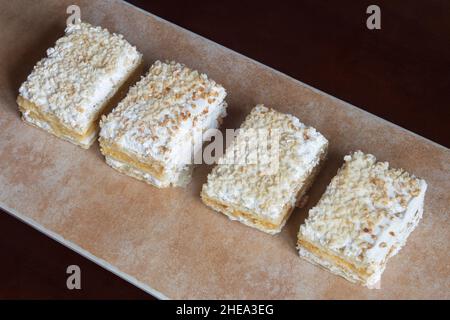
(263, 191)
(79, 79)
(364, 217)
(150, 134)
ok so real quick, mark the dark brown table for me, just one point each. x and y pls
(400, 73)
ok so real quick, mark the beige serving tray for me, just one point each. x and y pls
(166, 241)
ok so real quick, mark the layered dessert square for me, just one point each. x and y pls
(150, 134)
(262, 191)
(364, 217)
(80, 78)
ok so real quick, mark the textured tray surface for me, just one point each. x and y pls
(167, 241)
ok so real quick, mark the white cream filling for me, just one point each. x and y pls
(119, 165)
(402, 228)
(399, 227)
(171, 177)
(106, 87)
(183, 147)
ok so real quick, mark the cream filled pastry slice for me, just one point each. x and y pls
(150, 134)
(363, 218)
(266, 171)
(80, 78)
